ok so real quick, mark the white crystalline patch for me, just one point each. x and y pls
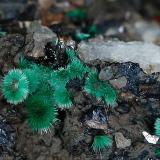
(147, 55)
(150, 138)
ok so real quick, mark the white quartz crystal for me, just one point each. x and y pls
(150, 138)
(147, 55)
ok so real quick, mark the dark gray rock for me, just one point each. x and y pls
(106, 74)
(123, 108)
(7, 136)
(119, 82)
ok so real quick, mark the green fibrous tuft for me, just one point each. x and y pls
(71, 53)
(24, 63)
(59, 78)
(33, 78)
(94, 86)
(77, 69)
(101, 142)
(110, 95)
(157, 152)
(2, 34)
(41, 112)
(43, 71)
(45, 89)
(157, 127)
(62, 98)
(15, 86)
(100, 89)
(92, 30)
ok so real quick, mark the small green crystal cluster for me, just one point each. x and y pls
(2, 33)
(157, 133)
(79, 16)
(101, 142)
(157, 152)
(44, 91)
(157, 127)
(100, 89)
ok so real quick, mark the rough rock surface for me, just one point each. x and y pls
(10, 48)
(39, 35)
(147, 55)
(71, 138)
(121, 141)
(119, 83)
